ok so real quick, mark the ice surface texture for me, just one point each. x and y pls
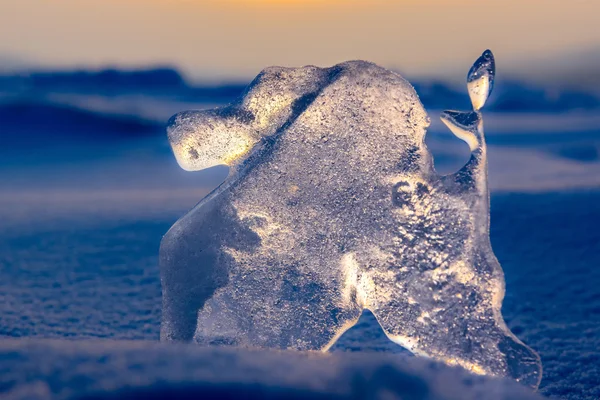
(333, 206)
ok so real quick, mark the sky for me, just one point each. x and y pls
(231, 39)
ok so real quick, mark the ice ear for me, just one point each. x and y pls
(480, 80)
(468, 125)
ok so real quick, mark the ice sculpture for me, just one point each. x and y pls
(333, 206)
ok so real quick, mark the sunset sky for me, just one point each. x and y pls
(236, 38)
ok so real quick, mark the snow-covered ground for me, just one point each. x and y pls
(146, 370)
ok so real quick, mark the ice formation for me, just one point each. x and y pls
(333, 206)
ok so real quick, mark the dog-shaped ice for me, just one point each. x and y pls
(333, 206)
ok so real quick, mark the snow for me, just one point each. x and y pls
(34, 369)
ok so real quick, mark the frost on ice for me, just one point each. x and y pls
(333, 206)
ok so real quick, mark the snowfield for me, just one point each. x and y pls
(146, 370)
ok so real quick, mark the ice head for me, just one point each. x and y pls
(333, 206)
(223, 138)
(202, 139)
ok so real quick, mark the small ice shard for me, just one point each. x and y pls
(480, 80)
(333, 206)
(466, 126)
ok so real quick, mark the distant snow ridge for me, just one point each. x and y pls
(333, 206)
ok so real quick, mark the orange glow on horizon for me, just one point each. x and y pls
(238, 38)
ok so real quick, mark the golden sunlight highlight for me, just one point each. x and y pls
(296, 3)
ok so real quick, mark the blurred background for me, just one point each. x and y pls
(88, 184)
(86, 87)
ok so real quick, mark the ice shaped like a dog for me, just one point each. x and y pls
(333, 206)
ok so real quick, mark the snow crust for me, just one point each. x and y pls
(65, 370)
